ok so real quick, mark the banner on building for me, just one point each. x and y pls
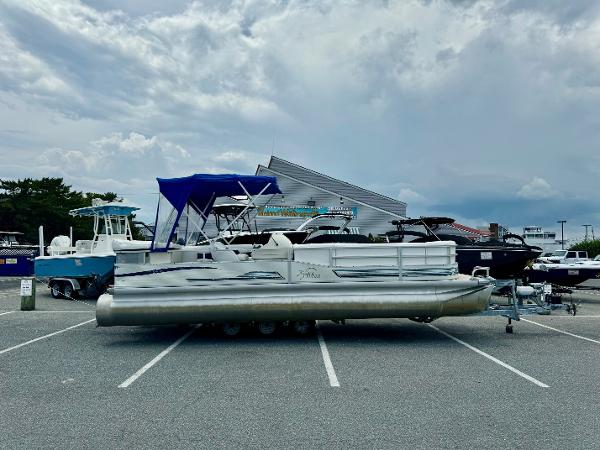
(305, 211)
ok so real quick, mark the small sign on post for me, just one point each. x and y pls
(27, 294)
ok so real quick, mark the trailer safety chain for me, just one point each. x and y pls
(68, 297)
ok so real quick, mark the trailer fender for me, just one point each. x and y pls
(73, 282)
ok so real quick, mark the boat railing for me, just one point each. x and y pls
(54, 250)
(403, 258)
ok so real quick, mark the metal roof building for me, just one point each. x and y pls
(306, 192)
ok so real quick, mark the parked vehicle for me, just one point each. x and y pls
(86, 269)
(565, 257)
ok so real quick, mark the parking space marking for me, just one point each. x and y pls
(158, 357)
(333, 380)
(578, 316)
(491, 358)
(6, 350)
(65, 312)
(8, 312)
(561, 331)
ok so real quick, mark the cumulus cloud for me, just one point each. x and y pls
(537, 189)
(254, 61)
(447, 99)
(129, 156)
(129, 164)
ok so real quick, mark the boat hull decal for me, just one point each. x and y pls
(161, 270)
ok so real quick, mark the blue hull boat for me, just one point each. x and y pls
(69, 266)
(88, 268)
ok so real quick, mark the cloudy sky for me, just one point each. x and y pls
(483, 110)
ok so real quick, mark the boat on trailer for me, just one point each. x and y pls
(278, 281)
(87, 268)
(505, 259)
(563, 274)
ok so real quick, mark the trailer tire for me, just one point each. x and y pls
(56, 289)
(303, 327)
(266, 328)
(231, 329)
(68, 292)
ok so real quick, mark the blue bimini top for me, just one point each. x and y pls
(200, 191)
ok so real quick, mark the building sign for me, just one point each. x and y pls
(305, 211)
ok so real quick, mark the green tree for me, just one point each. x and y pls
(592, 247)
(26, 204)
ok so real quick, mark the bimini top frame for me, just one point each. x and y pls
(195, 196)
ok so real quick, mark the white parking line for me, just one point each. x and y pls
(6, 350)
(160, 356)
(561, 331)
(8, 312)
(86, 311)
(578, 316)
(491, 358)
(333, 381)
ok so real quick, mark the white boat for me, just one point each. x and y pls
(563, 274)
(87, 268)
(277, 281)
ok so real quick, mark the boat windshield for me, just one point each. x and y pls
(559, 253)
(185, 203)
(118, 225)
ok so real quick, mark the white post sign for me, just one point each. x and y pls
(26, 288)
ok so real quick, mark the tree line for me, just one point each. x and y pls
(26, 204)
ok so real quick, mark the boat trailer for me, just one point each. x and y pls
(522, 300)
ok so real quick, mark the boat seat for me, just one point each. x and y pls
(278, 247)
(221, 253)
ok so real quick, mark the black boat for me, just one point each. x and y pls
(568, 275)
(504, 258)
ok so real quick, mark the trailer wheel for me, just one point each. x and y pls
(303, 327)
(266, 328)
(68, 292)
(55, 289)
(509, 329)
(231, 329)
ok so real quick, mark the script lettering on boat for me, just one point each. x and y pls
(310, 273)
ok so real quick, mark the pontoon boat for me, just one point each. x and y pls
(278, 281)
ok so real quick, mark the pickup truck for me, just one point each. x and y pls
(565, 257)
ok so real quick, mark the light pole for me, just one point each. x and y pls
(562, 233)
(586, 228)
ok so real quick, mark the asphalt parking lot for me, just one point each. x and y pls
(461, 383)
